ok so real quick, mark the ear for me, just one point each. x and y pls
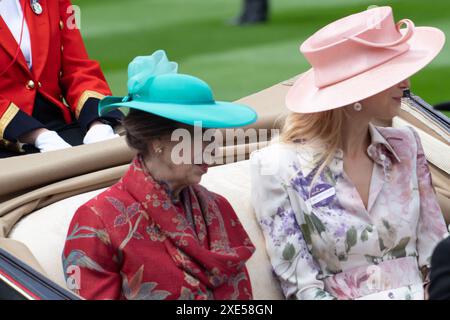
(156, 146)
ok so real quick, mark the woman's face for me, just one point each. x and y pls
(183, 159)
(386, 104)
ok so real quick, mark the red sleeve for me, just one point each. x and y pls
(89, 261)
(81, 77)
(14, 122)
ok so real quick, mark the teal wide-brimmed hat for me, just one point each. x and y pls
(154, 86)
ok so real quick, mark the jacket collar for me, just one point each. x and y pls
(379, 139)
(379, 150)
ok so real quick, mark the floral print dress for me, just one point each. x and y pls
(134, 241)
(322, 241)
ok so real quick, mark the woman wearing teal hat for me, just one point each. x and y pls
(158, 234)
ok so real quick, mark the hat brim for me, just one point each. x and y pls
(305, 97)
(217, 115)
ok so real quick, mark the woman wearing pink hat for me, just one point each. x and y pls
(347, 208)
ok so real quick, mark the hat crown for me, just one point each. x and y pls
(175, 88)
(143, 69)
(355, 44)
(154, 78)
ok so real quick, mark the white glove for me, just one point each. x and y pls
(99, 132)
(50, 141)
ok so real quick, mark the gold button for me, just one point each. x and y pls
(62, 48)
(30, 85)
(39, 84)
(61, 25)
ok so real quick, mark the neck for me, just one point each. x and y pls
(355, 138)
(164, 175)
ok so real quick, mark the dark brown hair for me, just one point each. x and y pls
(142, 127)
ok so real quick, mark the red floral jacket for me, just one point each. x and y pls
(133, 242)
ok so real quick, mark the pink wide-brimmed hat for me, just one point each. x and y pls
(360, 56)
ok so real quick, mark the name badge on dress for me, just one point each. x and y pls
(321, 195)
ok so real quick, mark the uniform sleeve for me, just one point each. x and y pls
(291, 259)
(89, 261)
(14, 122)
(431, 227)
(82, 79)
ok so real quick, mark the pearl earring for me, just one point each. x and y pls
(357, 106)
(159, 150)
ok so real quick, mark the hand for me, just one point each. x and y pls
(30, 137)
(50, 141)
(99, 132)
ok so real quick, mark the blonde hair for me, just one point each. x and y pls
(321, 127)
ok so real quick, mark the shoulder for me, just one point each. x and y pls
(103, 208)
(276, 160)
(273, 149)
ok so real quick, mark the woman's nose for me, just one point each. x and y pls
(406, 84)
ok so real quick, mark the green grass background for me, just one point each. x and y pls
(238, 61)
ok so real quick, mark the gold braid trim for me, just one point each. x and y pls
(7, 117)
(84, 97)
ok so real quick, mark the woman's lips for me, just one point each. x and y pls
(203, 167)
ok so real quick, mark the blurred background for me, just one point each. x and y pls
(239, 60)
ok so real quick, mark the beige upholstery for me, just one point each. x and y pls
(19, 250)
(44, 231)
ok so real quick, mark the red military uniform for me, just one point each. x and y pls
(61, 69)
